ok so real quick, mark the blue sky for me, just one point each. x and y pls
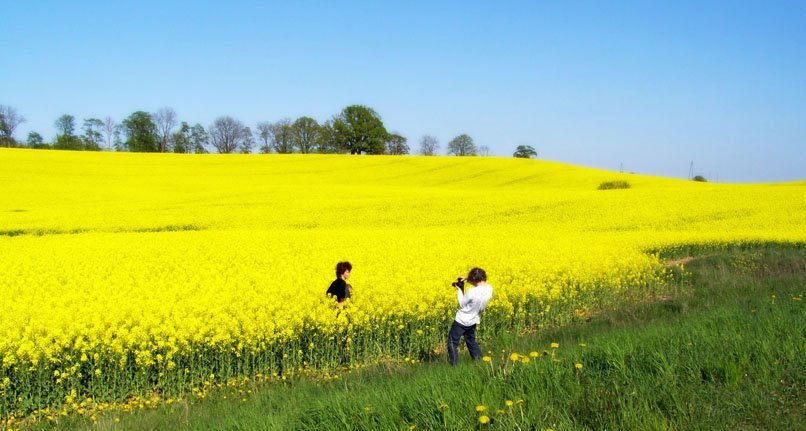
(648, 85)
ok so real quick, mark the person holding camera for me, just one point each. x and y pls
(471, 304)
(339, 288)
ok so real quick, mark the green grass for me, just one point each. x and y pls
(611, 185)
(724, 349)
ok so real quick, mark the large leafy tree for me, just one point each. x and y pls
(359, 129)
(525, 152)
(462, 145)
(140, 132)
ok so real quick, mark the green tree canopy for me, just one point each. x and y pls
(65, 125)
(327, 142)
(35, 140)
(462, 145)
(305, 134)
(93, 135)
(359, 129)
(525, 152)
(141, 133)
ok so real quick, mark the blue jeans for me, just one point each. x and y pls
(456, 332)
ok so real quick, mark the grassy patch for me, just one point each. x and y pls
(610, 185)
(724, 350)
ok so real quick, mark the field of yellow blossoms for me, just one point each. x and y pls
(128, 276)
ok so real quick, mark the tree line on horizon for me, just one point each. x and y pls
(357, 129)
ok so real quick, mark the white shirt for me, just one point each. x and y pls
(472, 302)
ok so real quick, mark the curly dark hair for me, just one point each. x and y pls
(476, 275)
(342, 267)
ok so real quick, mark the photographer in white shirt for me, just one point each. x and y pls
(472, 302)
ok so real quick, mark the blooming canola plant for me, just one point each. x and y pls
(128, 274)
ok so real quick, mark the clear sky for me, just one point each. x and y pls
(648, 85)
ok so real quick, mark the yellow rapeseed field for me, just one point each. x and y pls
(156, 274)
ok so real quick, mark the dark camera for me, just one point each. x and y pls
(459, 283)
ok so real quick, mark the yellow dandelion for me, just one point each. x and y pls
(480, 408)
(486, 358)
(578, 366)
(514, 357)
(555, 345)
(533, 354)
(484, 419)
(509, 403)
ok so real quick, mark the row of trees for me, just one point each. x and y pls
(357, 129)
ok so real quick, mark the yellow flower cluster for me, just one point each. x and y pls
(128, 273)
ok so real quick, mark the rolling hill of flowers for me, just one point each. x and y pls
(152, 276)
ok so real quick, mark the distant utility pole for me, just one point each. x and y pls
(691, 170)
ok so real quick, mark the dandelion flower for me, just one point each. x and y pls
(480, 408)
(484, 419)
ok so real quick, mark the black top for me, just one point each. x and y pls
(338, 289)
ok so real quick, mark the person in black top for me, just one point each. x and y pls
(339, 288)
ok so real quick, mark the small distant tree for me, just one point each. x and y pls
(199, 139)
(700, 178)
(65, 125)
(462, 145)
(359, 129)
(327, 141)
(525, 152)
(484, 150)
(396, 144)
(282, 140)
(181, 139)
(140, 132)
(93, 135)
(429, 146)
(305, 134)
(9, 120)
(110, 127)
(165, 120)
(264, 133)
(247, 142)
(226, 134)
(66, 138)
(35, 141)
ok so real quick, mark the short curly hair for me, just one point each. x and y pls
(476, 275)
(343, 267)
